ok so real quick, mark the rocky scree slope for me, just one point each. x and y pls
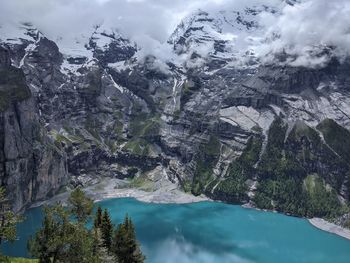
(213, 119)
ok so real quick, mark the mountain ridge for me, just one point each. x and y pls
(251, 132)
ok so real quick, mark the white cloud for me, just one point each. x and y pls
(302, 29)
(152, 17)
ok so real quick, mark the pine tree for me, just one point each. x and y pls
(98, 218)
(106, 230)
(64, 240)
(79, 246)
(81, 206)
(125, 245)
(96, 239)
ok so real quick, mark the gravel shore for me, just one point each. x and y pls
(115, 188)
(168, 193)
(330, 227)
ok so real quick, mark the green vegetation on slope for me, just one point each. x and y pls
(206, 159)
(143, 132)
(337, 137)
(17, 260)
(234, 187)
(287, 168)
(322, 200)
(144, 126)
(143, 183)
(138, 146)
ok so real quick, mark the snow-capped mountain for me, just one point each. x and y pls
(223, 35)
(212, 119)
(228, 37)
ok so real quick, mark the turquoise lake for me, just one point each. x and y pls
(210, 232)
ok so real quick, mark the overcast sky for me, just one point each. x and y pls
(311, 23)
(156, 18)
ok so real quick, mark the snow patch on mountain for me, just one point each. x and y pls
(221, 35)
(17, 33)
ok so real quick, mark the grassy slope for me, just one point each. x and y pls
(336, 137)
(18, 260)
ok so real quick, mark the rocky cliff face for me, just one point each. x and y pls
(216, 120)
(32, 167)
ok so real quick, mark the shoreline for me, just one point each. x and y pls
(316, 222)
(168, 193)
(329, 227)
(111, 188)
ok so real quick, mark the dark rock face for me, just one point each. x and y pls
(5, 61)
(212, 128)
(31, 166)
(118, 50)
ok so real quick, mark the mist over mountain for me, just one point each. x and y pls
(294, 27)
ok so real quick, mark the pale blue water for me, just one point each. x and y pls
(211, 232)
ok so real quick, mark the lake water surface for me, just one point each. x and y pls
(210, 232)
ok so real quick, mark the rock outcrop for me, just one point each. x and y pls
(32, 167)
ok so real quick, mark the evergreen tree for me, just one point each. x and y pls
(8, 219)
(60, 240)
(125, 245)
(80, 246)
(98, 218)
(81, 206)
(106, 230)
(49, 240)
(96, 243)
